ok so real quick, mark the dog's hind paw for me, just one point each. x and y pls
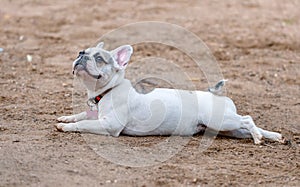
(277, 137)
(284, 140)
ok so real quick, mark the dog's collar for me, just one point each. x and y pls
(95, 100)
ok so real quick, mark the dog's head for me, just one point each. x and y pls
(97, 67)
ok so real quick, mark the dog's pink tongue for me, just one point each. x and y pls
(92, 113)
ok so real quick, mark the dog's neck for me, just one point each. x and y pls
(116, 81)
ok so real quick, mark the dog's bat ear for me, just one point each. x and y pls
(121, 56)
(100, 45)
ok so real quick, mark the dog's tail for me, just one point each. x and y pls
(217, 89)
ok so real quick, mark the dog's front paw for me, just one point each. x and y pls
(67, 119)
(63, 127)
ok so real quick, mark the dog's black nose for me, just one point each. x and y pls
(81, 53)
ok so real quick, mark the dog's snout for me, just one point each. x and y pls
(81, 60)
(77, 62)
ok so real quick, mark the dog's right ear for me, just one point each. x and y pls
(100, 45)
(121, 56)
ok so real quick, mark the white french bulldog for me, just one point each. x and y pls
(122, 110)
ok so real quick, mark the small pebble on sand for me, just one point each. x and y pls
(29, 58)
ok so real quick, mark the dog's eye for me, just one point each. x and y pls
(98, 58)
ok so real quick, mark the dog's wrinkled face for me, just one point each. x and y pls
(96, 67)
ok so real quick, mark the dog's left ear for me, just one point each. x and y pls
(122, 56)
(100, 45)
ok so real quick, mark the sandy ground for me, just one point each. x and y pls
(255, 42)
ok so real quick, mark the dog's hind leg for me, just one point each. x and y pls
(258, 133)
(248, 123)
(244, 133)
(248, 129)
(272, 135)
(238, 126)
